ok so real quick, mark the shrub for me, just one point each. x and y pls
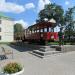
(12, 68)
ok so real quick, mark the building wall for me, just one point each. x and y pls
(7, 30)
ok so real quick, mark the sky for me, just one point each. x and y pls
(26, 11)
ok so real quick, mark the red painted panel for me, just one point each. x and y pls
(45, 36)
(50, 35)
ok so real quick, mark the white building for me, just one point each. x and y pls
(6, 29)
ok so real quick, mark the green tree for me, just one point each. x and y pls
(69, 20)
(52, 11)
(18, 30)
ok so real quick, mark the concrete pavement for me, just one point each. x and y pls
(57, 64)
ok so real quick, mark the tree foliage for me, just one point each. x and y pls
(52, 11)
(69, 21)
(18, 31)
(18, 28)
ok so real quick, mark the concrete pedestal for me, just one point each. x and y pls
(45, 51)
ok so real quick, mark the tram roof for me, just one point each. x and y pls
(41, 25)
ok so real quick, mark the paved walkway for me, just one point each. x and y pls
(58, 64)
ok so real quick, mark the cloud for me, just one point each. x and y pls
(42, 3)
(10, 7)
(1, 1)
(34, 23)
(47, 1)
(29, 6)
(24, 24)
(13, 7)
(67, 2)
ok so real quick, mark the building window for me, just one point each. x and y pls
(0, 29)
(0, 21)
(0, 37)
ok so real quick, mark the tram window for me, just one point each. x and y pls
(32, 31)
(37, 30)
(49, 29)
(41, 30)
(45, 29)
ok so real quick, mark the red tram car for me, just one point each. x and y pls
(41, 32)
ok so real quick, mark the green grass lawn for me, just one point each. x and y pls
(53, 43)
(57, 43)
